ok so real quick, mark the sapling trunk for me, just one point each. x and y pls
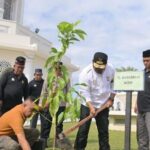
(54, 125)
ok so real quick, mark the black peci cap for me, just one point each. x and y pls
(146, 53)
(100, 60)
(20, 60)
(100, 56)
(38, 70)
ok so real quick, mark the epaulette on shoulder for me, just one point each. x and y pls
(89, 70)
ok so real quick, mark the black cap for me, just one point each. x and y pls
(100, 60)
(146, 53)
(20, 60)
(60, 63)
(38, 70)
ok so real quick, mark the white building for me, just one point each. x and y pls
(17, 40)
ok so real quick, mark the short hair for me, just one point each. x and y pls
(20, 60)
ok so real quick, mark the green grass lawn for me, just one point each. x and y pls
(116, 138)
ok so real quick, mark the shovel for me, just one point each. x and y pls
(63, 142)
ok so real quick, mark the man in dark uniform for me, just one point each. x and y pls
(13, 86)
(47, 123)
(35, 88)
(143, 107)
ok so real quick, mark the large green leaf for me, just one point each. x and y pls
(77, 23)
(69, 98)
(61, 95)
(65, 27)
(49, 61)
(61, 117)
(54, 50)
(54, 105)
(80, 33)
(61, 83)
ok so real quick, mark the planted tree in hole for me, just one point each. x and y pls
(68, 34)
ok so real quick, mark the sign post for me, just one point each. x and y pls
(127, 140)
(128, 81)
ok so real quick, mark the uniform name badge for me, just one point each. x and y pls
(35, 85)
(12, 79)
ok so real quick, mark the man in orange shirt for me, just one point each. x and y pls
(12, 134)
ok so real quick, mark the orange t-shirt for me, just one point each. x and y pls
(11, 123)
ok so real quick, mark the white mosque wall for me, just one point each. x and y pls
(9, 56)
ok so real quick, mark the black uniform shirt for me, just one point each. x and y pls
(143, 99)
(35, 88)
(12, 89)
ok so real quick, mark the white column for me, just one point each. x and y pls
(29, 66)
(1, 9)
(17, 11)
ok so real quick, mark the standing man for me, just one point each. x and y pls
(35, 88)
(98, 77)
(13, 86)
(142, 107)
(46, 124)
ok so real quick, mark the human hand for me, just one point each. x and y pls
(109, 103)
(92, 111)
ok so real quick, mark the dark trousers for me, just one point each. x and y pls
(143, 131)
(34, 120)
(102, 126)
(46, 125)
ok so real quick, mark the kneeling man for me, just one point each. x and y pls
(12, 134)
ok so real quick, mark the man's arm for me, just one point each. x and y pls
(3, 82)
(26, 89)
(91, 107)
(29, 88)
(23, 142)
(85, 91)
(110, 100)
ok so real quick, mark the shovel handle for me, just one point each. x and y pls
(80, 123)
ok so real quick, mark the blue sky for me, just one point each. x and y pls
(119, 28)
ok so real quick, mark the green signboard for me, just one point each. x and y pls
(129, 81)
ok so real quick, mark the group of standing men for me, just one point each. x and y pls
(98, 91)
(14, 87)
